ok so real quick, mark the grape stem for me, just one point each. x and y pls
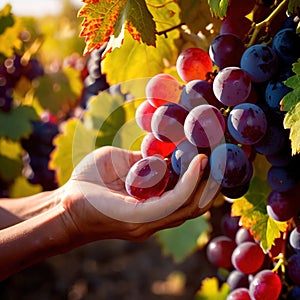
(164, 32)
(266, 22)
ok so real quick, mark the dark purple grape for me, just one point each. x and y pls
(294, 293)
(230, 166)
(286, 44)
(281, 158)
(219, 251)
(282, 206)
(197, 92)
(33, 69)
(182, 156)
(235, 192)
(247, 123)
(275, 91)
(237, 279)
(281, 179)
(229, 225)
(294, 268)
(226, 50)
(260, 62)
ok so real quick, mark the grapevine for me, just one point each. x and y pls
(226, 86)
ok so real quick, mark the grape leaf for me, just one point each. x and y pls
(181, 241)
(294, 7)
(105, 19)
(218, 7)
(17, 123)
(210, 290)
(55, 91)
(22, 188)
(291, 104)
(72, 145)
(10, 29)
(135, 60)
(114, 121)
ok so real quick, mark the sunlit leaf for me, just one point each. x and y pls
(17, 123)
(181, 241)
(210, 290)
(218, 7)
(72, 145)
(105, 19)
(56, 90)
(10, 29)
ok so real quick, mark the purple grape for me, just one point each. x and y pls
(230, 166)
(226, 50)
(243, 235)
(232, 86)
(294, 268)
(197, 92)
(247, 123)
(260, 62)
(237, 279)
(167, 122)
(294, 238)
(204, 126)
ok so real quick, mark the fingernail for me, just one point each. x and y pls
(204, 163)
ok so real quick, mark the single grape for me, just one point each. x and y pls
(168, 121)
(204, 126)
(197, 92)
(275, 91)
(232, 86)
(193, 63)
(282, 206)
(286, 44)
(152, 146)
(247, 123)
(243, 235)
(281, 179)
(230, 166)
(248, 257)
(229, 225)
(182, 156)
(143, 115)
(260, 62)
(294, 293)
(163, 88)
(237, 279)
(239, 294)
(226, 50)
(265, 285)
(219, 251)
(294, 238)
(281, 158)
(237, 25)
(33, 69)
(236, 191)
(147, 178)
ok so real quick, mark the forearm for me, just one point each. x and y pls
(33, 240)
(13, 211)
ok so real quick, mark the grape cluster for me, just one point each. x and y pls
(11, 70)
(228, 108)
(39, 145)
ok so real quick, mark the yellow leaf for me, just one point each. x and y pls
(23, 188)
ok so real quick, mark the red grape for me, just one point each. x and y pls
(143, 115)
(147, 178)
(193, 63)
(239, 294)
(163, 88)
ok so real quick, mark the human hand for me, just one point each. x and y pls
(100, 208)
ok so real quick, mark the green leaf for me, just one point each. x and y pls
(210, 290)
(252, 208)
(294, 7)
(72, 145)
(10, 30)
(17, 123)
(292, 122)
(181, 241)
(218, 7)
(114, 121)
(22, 188)
(55, 91)
(10, 168)
(106, 19)
(135, 60)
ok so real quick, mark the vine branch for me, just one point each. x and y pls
(164, 32)
(259, 26)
